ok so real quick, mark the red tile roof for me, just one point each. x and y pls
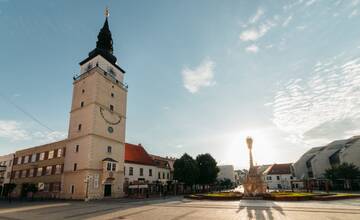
(274, 169)
(138, 155)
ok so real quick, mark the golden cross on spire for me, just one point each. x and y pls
(107, 12)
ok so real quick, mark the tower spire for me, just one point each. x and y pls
(107, 12)
(105, 41)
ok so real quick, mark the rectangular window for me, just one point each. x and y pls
(58, 169)
(278, 177)
(46, 187)
(72, 189)
(23, 173)
(141, 172)
(33, 158)
(17, 174)
(159, 177)
(150, 172)
(77, 148)
(108, 167)
(75, 166)
(109, 148)
(26, 160)
(111, 108)
(56, 187)
(51, 154)
(131, 171)
(79, 127)
(48, 170)
(31, 173)
(114, 167)
(82, 104)
(42, 156)
(112, 95)
(39, 171)
(59, 152)
(96, 181)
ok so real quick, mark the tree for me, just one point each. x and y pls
(345, 171)
(8, 189)
(208, 169)
(186, 170)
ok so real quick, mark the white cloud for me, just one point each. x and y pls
(310, 2)
(287, 21)
(322, 107)
(12, 130)
(257, 16)
(353, 13)
(16, 131)
(301, 27)
(252, 48)
(254, 34)
(201, 76)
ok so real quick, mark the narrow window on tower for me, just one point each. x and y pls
(82, 104)
(111, 108)
(109, 148)
(79, 127)
(72, 189)
(77, 148)
(75, 166)
(83, 91)
(112, 95)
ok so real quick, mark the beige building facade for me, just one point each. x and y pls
(42, 166)
(94, 166)
(89, 164)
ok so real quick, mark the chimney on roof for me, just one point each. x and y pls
(139, 144)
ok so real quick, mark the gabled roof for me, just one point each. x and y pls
(137, 154)
(278, 169)
(165, 162)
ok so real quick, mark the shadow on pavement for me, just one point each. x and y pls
(261, 212)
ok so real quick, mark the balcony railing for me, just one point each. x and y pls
(107, 75)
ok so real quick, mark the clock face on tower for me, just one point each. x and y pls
(110, 117)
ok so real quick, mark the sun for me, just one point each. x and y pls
(237, 151)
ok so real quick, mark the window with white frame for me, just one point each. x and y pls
(48, 170)
(59, 152)
(51, 154)
(42, 156)
(31, 173)
(26, 159)
(33, 158)
(39, 171)
(58, 169)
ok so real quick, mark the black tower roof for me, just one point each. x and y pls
(104, 46)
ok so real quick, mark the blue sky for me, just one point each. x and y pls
(202, 75)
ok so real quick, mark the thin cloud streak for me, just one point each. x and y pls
(330, 97)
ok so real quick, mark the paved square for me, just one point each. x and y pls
(178, 208)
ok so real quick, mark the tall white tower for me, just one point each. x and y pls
(94, 161)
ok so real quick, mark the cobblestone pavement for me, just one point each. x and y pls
(178, 208)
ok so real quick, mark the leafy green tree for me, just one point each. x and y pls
(208, 169)
(8, 188)
(186, 170)
(345, 171)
